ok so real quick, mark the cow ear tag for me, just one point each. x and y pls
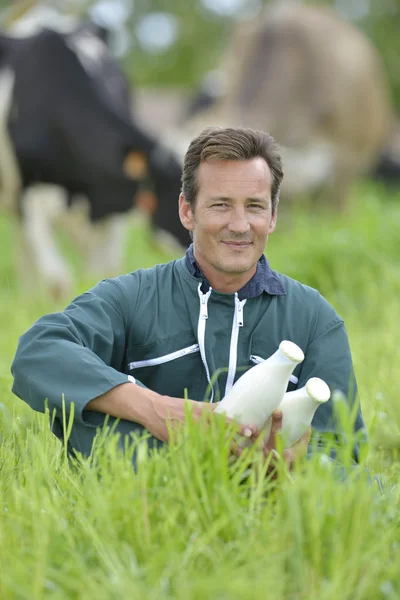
(135, 165)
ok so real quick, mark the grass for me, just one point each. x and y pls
(185, 525)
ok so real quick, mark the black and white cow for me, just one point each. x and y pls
(68, 140)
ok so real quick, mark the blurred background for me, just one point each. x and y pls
(171, 50)
(336, 93)
(170, 46)
(329, 92)
(326, 85)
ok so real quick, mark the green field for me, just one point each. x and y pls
(184, 526)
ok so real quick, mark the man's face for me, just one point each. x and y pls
(232, 217)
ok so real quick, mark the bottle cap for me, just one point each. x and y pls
(317, 389)
(291, 351)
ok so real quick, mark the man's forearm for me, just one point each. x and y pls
(127, 401)
(141, 405)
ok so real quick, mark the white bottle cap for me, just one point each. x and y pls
(318, 390)
(291, 351)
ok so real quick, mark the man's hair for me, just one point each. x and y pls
(230, 144)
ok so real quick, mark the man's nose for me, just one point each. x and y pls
(238, 222)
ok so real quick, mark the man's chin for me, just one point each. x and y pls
(236, 267)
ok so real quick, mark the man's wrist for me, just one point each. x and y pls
(143, 406)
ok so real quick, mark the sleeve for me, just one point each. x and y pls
(75, 355)
(328, 356)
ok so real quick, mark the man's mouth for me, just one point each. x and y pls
(236, 245)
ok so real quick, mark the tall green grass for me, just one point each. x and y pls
(186, 524)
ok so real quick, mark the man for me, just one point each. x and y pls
(130, 346)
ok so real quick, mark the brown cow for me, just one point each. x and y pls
(317, 85)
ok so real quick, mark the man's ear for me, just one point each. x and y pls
(274, 217)
(185, 213)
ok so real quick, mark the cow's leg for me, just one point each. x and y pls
(101, 243)
(41, 206)
(107, 242)
(77, 224)
(10, 176)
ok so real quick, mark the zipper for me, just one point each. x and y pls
(159, 360)
(237, 323)
(257, 360)
(201, 332)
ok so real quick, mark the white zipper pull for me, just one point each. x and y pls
(204, 309)
(256, 359)
(239, 310)
(203, 302)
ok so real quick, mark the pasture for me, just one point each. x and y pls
(184, 526)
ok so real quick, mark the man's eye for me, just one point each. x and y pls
(220, 204)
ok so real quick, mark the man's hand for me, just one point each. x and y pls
(169, 413)
(290, 455)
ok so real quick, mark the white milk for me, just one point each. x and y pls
(259, 391)
(298, 409)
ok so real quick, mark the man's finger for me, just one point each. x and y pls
(249, 431)
(276, 425)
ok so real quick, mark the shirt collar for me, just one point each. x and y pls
(264, 279)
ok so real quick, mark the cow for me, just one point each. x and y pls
(317, 85)
(211, 89)
(387, 168)
(71, 151)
